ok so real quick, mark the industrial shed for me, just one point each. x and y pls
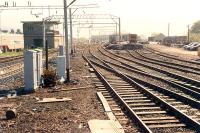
(33, 34)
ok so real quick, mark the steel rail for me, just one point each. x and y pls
(7, 77)
(130, 111)
(14, 58)
(171, 63)
(119, 61)
(183, 117)
(194, 92)
(8, 59)
(193, 103)
(164, 55)
(171, 74)
(164, 65)
(187, 100)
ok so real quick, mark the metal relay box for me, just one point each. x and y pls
(33, 69)
(30, 70)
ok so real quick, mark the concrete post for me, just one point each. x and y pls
(61, 67)
(39, 66)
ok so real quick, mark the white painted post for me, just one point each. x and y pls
(39, 66)
(61, 67)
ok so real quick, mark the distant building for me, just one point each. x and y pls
(157, 38)
(11, 42)
(151, 39)
(33, 34)
(3, 48)
(175, 39)
(4, 31)
(114, 38)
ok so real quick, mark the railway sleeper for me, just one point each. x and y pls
(131, 93)
(167, 126)
(134, 98)
(101, 87)
(137, 101)
(151, 112)
(159, 118)
(141, 104)
(145, 108)
(116, 81)
(161, 121)
(126, 91)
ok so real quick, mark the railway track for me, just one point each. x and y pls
(168, 69)
(182, 80)
(171, 86)
(154, 78)
(145, 55)
(178, 75)
(13, 59)
(140, 102)
(12, 70)
(141, 77)
(180, 70)
(11, 62)
(173, 57)
(179, 67)
(8, 59)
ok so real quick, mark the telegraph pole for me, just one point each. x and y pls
(45, 45)
(66, 43)
(168, 29)
(116, 29)
(188, 33)
(71, 31)
(78, 31)
(66, 40)
(119, 29)
(89, 35)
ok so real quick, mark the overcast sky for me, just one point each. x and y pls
(137, 16)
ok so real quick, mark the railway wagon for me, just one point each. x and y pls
(113, 39)
(131, 38)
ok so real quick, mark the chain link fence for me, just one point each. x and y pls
(194, 37)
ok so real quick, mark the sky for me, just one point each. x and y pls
(142, 17)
